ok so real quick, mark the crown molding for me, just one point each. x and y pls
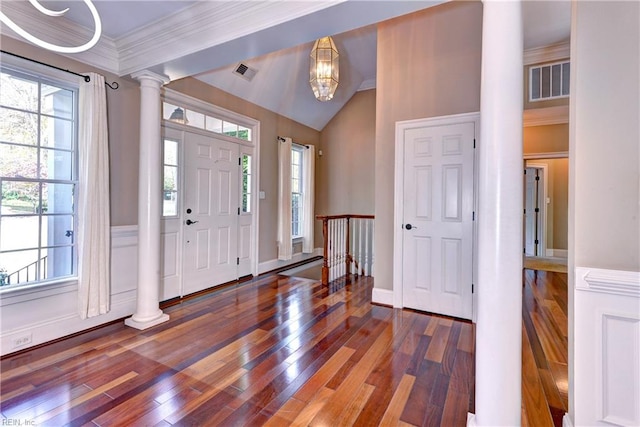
(204, 25)
(61, 31)
(546, 116)
(367, 84)
(554, 52)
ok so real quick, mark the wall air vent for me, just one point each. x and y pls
(549, 81)
(245, 71)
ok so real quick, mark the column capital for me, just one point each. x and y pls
(150, 75)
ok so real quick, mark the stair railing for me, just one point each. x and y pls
(348, 245)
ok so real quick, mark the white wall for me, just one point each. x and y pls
(35, 316)
(604, 214)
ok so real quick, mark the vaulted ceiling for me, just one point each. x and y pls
(208, 39)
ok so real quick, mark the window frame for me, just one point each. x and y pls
(295, 148)
(47, 76)
(550, 65)
(177, 168)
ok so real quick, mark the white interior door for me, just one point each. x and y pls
(210, 212)
(530, 215)
(437, 220)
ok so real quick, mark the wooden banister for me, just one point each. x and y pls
(330, 247)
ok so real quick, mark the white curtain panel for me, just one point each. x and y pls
(94, 237)
(308, 181)
(285, 245)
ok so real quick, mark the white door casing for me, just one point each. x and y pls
(434, 215)
(237, 255)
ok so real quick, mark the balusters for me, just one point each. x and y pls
(348, 246)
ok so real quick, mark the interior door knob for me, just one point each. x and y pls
(409, 226)
(189, 222)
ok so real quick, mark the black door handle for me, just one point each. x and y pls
(189, 222)
(409, 226)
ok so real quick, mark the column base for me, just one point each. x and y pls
(146, 324)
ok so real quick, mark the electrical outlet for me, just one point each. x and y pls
(22, 340)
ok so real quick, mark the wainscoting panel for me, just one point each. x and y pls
(34, 316)
(607, 347)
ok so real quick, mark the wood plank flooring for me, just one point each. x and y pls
(273, 351)
(544, 348)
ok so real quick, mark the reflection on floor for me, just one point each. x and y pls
(544, 348)
(312, 270)
(556, 264)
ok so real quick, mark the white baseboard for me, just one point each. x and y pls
(558, 253)
(382, 296)
(274, 264)
(471, 419)
(566, 421)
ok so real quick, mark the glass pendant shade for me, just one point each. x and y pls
(324, 69)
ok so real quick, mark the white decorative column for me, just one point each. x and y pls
(148, 311)
(499, 321)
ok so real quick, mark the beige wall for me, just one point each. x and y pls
(428, 66)
(345, 172)
(272, 125)
(605, 135)
(124, 129)
(546, 139)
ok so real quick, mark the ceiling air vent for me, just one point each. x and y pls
(245, 71)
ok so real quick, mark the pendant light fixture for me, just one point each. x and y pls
(324, 69)
(178, 116)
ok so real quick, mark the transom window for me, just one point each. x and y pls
(196, 119)
(38, 178)
(549, 81)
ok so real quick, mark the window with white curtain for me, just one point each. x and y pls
(38, 178)
(297, 192)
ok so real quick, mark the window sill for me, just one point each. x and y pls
(35, 291)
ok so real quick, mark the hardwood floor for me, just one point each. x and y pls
(272, 351)
(544, 348)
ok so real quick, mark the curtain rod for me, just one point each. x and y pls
(294, 143)
(87, 79)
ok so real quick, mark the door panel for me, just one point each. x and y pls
(438, 208)
(210, 222)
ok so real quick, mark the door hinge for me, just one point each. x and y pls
(237, 261)
(239, 161)
(472, 288)
(525, 171)
(474, 143)
(473, 216)
(238, 211)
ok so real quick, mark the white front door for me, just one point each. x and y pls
(437, 217)
(210, 212)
